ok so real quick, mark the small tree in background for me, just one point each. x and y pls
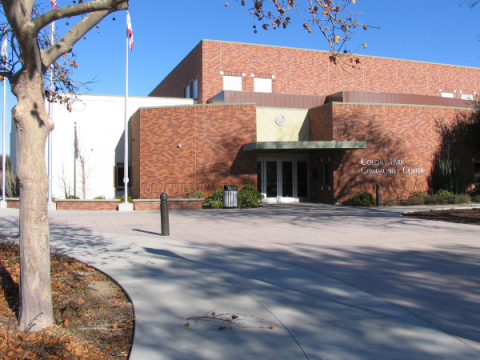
(459, 143)
(448, 174)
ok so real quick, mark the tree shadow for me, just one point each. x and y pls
(326, 299)
(346, 289)
(10, 290)
(350, 175)
(226, 164)
(458, 142)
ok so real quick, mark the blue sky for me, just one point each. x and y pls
(439, 31)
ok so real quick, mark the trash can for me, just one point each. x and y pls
(230, 196)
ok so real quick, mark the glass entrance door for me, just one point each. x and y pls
(283, 179)
(302, 180)
(287, 179)
(271, 179)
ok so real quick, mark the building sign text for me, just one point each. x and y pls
(395, 166)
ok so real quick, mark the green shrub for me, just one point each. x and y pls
(446, 195)
(461, 199)
(434, 200)
(122, 198)
(415, 200)
(72, 197)
(214, 200)
(419, 193)
(361, 198)
(249, 197)
(194, 194)
(476, 198)
(99, 197)
(390, 203)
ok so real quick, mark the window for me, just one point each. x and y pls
(233, 83)
(191, 90)
(467, 96)
(195, 89)
(326, 174)
(119, 180)
(447, 94)
(262, 85)
(477, 173)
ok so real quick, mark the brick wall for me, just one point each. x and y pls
(211, 137)
(320, 124)
(13, 203)
(173, 204)
(190, 68)
(87, 205)
(309, 72)
(135, 152)
(401, 132)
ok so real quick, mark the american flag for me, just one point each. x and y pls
(129, 31)
(54, 3)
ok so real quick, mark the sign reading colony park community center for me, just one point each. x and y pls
(395, 167)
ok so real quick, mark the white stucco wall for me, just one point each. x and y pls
(100, 129)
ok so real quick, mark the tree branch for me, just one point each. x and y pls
(6, 74)
(17, 11)
(79, 9)
(66, 43)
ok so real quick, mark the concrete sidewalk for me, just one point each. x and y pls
(336, 282)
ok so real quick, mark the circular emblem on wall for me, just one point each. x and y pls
(280, 119)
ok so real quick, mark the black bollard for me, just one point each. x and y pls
(164, 214)
(378, 195)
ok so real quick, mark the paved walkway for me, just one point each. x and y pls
(336, 282)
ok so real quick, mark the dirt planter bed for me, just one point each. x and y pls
(457, 215)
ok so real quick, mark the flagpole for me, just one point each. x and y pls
(51, 206)
(75, 155)
(125, 162)
(4, 202)
(125, 206)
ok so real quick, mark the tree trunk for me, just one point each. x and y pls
(33, 125)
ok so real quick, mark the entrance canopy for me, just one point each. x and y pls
(302, 146)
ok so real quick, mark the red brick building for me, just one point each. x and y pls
(295, 125)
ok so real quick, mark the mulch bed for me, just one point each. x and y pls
(462, 216)
(93, 317)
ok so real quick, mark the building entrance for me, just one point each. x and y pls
(283, 179)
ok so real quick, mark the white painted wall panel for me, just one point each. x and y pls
(100, 130)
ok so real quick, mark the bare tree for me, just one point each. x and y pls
(83, 158)
(63, 180)
(11, 184)
(32, 55)
(471, 3)
(333, 18)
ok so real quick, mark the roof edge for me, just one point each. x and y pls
(325, 51)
